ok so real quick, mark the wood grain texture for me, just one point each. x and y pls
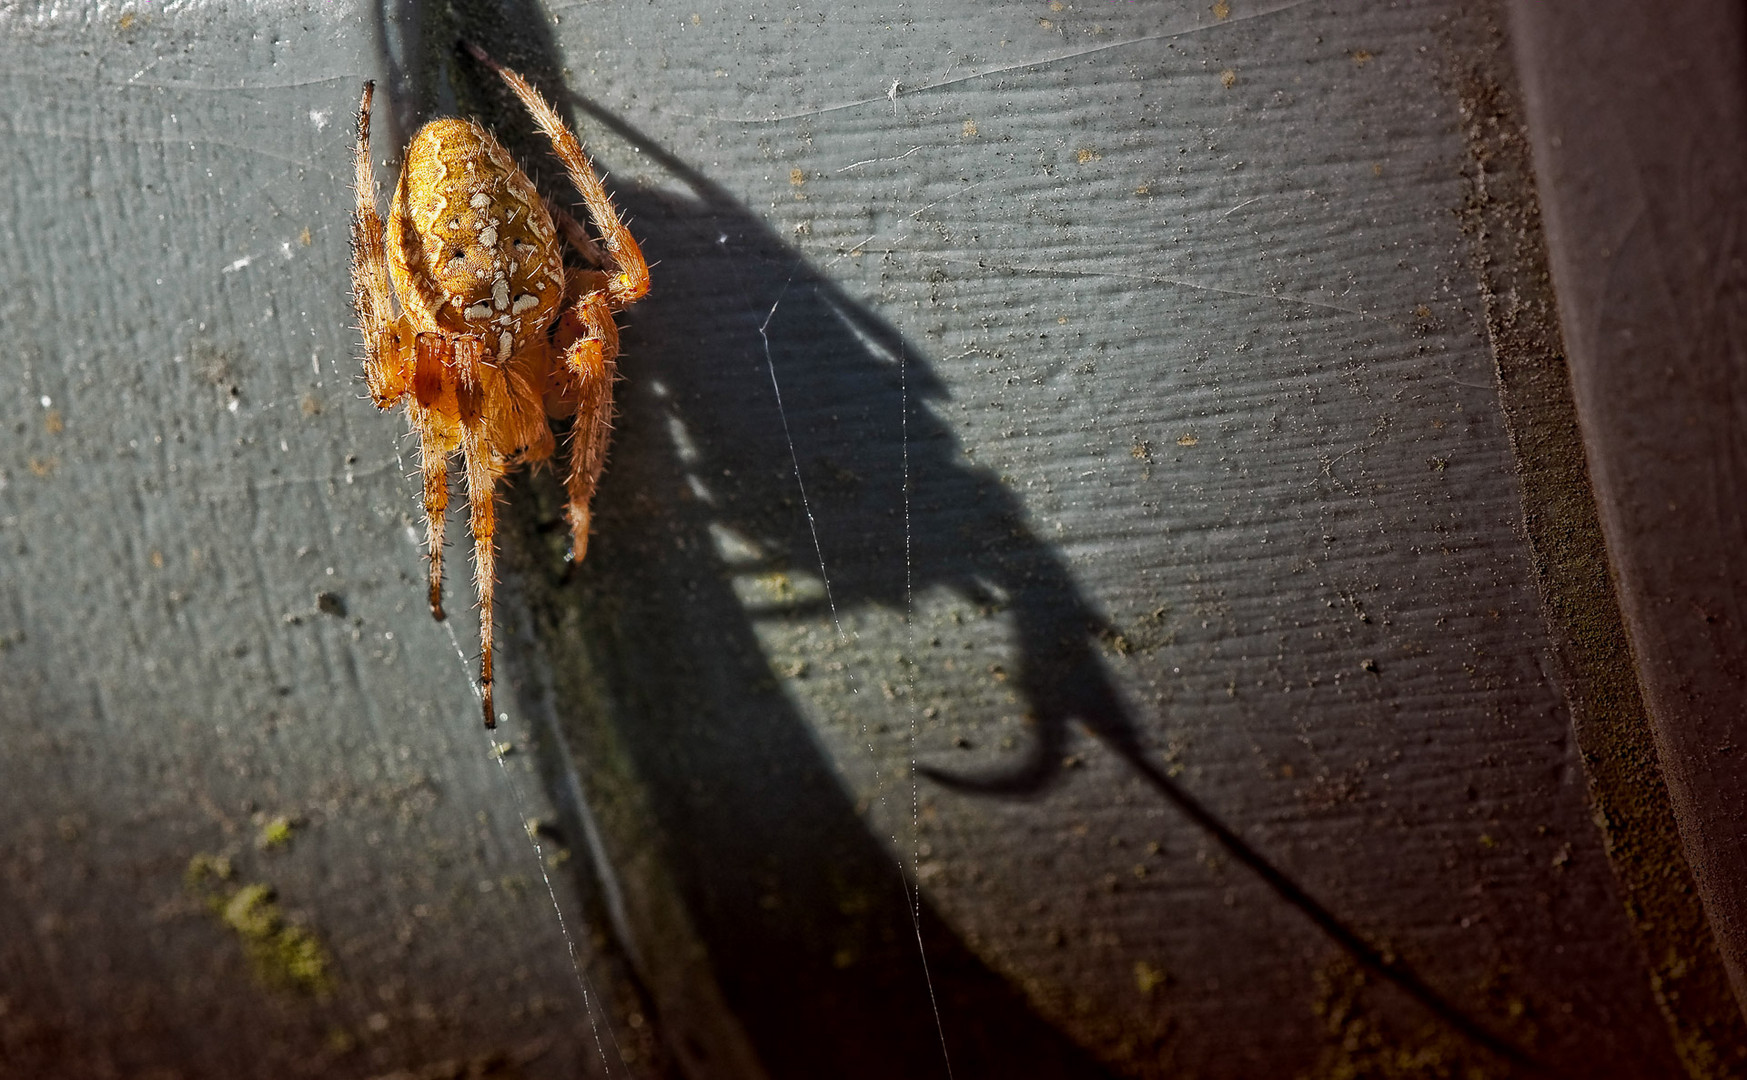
(1134, 557)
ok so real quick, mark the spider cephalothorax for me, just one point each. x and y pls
(494, 336)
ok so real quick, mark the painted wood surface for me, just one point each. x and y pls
(1061, 461)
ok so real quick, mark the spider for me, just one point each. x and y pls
(495, 335)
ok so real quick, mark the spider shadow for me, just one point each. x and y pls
(805, 916)
(803, 911)
(858, 414)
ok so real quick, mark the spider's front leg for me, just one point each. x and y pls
(628, 272)
(395, 361)
(385, 355)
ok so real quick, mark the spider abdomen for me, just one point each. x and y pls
(476, 244)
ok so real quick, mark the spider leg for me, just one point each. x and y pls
(434, 460)
(590, 367)
(484, 469)
(629, 273)
(433, 354)
(385, 367)
(577, 236)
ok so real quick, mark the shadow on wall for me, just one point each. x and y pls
(805, 915)
(754, 809)
(803, 911)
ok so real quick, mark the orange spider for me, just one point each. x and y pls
(494, 336)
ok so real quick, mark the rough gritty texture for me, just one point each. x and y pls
(1613, 728)
(1205, 602)
(1644, 213)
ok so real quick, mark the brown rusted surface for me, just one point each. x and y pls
(1641, 153)
(1632, 805)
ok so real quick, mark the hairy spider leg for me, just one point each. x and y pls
(629, 273)
(577, 236)
(387, 371)
(434, 354)
(484, 468)
(450, 390)
(589, 367)
(385, 361)
(483, 471)
(434, 463)
(623, 279)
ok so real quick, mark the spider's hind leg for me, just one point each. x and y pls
(484, 468)
(589, 367)
(434, 462)
(432, 354)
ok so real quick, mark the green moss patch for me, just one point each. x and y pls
(282, 953)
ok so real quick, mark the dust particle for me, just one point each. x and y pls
(213, 365)
(1148, 978)
(311, 405)
(1228, 78)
